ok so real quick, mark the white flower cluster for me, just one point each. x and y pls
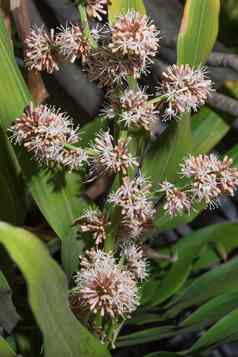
(45, 51)
(107, 287)
(49, 134)
(209, 179)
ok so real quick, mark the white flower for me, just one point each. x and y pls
(96, 223)
(96, 8)
(176, 201)
(71, 43)
(111, 158)
(108, 68)
(137, 112)
(40, 54)
(135, 35)
(105, 287)
(185, 89)
(46, 132)
(135, 261)
(137, 209)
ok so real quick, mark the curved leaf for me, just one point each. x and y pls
(63, 335)
(187, 250)
(213, 310)
(222, 331)
(209, 285)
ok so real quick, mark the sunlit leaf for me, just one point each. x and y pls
(198, 31)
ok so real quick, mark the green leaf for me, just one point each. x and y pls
(14, 94)
(145, 336)
(208, 286)
(233, 153)
(12, 193)
(213, 310)
(59, 198)
(198, 31)
(164, 222)
(208, 128)
(163, 158)
(89, 130)
(118, 7)
(187, 250)
(221, 332)
(5, 349)
(63, 335)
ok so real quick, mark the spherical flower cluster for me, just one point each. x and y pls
(96, 8)
(134, 42)
(40, 53)
(134, 200)
(107, 68)
(44, 51)
(137, 112)
(135, 261)
(176, 201)
(96, 223)
(135, 35)
(184, 89)
(209, 179)
(47, 133)
(71, 43)
(109, 158)
(105, 287)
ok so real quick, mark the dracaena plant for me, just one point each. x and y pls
(115, 268)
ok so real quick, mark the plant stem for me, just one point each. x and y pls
(86, 28)
(158, 99)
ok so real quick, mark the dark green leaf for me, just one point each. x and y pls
(145, 336)
(187, 250)
(13, 206)
(208, 286)
(163, 158)
(222, 331)
(213, 310)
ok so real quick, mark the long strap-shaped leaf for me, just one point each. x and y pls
(63, 335)
(198, 31)
(223, 331)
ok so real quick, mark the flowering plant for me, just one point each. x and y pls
(115, 277)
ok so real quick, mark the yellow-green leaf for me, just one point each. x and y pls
(198, 31)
